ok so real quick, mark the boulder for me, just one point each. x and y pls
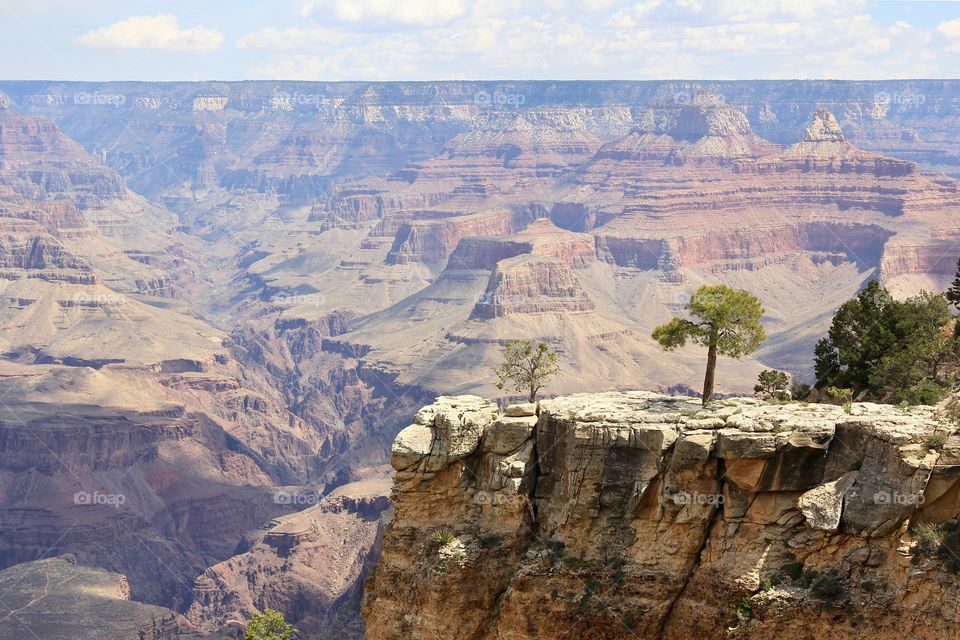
(443, 432)
(411, 445)
(523, 410)
(822, 506)
(506, 435)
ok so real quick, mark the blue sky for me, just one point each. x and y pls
(487, 39)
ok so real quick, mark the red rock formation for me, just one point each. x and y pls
(434, 241)
(33, 150)
(821, 195)
(694, 134)
(531, 284)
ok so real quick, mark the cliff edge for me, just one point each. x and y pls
(638, 515)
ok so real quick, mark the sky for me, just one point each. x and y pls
(477, 40)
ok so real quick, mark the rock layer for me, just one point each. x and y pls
(626, 515)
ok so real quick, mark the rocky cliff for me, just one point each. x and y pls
(637, 515)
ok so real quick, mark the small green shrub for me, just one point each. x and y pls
(840, 396)
(929, 538)
(590, 587)
(826, 587)
(487, 540)
(925, 392)
(800, 391)
(951, 410)
(744, 608)
(443, 537)
(619, 577)
(270, 625)
(555, 547)
(856, 465)
(615, 565)
(794, 570)
(936, 441)
(808, 577)
(771, 384)
(574, 563)
(950, 548)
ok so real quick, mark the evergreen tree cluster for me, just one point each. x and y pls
(891, 350)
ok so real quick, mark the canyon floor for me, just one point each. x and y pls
(219, 305)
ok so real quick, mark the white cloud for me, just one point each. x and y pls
(407, 12)
(160, 32)
(298, 40)
(951, 30)
(694, 13)
(562, 39)
(340, 66)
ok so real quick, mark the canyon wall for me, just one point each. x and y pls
(316, 260)
(637, 515)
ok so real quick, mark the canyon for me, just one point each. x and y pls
(221, 302)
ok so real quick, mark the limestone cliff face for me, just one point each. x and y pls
(637, 515)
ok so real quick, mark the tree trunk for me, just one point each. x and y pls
(711, 370)
(533, 394)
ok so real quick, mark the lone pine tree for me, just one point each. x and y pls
(526, 368)
(726, 321)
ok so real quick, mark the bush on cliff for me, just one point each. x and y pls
(929, 538)
(525, 368)
(726, 321)
(826, 586)
(270, 625)
(800, 390)
(890, 350)
(953, 297)
(772, 384)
